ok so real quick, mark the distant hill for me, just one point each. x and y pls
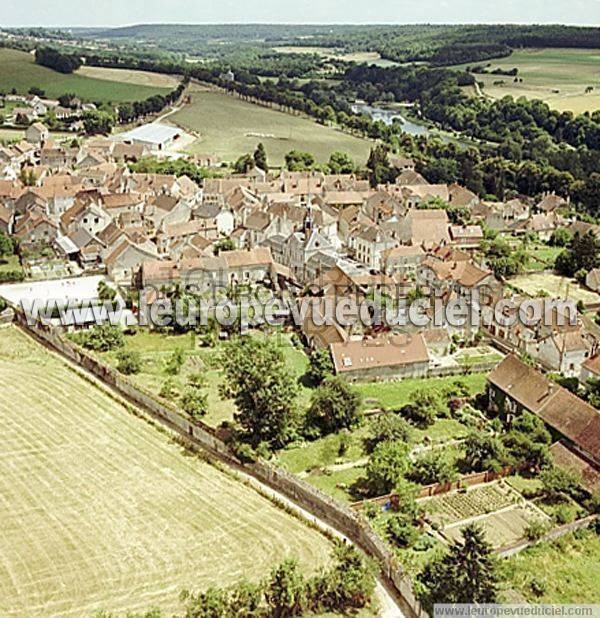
(439, 44)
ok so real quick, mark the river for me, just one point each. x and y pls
(387, 116)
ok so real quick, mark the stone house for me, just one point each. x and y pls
(384, 358)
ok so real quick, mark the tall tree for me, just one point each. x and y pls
(387, 465)
(264, 391)
(260, 158)
(334, 406)
(467, 573)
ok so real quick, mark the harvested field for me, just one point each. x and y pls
(130, 76)
(101, 510)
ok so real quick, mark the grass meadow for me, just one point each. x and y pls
(557, 76)
(101, 510)
(564, 571)
(18, 70)
(229, 127)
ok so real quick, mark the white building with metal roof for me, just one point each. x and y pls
(155, 136)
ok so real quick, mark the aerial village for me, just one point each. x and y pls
(83, 223)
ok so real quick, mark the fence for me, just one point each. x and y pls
(467, 480)
(341, 517)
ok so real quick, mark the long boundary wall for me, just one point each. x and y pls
(337, 515)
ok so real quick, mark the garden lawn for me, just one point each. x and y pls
(564, 571)
(157, 348)
(394, 395)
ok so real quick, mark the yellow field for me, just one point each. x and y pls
(100, 510)
(558, 76)
(326, 52)
(140, 78)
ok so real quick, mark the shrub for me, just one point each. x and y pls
(535, 530)
(433, 467)
(389, 426)
(401, 530)
(194, 402)
(559, 484)
(129, 362)
(175, 362)
(101, 338)
(538, 587)
(334, 406)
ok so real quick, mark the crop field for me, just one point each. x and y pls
(101, 510)
(456, 506)
(366, 57)
(564, 571)
(555, 285)
(496, 507)
(230, 127)
(130, 76)
(501, 528)
(18, 70)
(558, 76)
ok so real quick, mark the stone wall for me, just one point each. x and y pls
(341, 517)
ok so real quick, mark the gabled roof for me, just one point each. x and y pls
(379, 353)
(566, 413)
(593, 365)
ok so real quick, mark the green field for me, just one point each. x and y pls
(366, 57)
(394, 395)
(18, 70)
(229, 127)
(99, 509)
(156, 348)
(564, 571)
(546, 71)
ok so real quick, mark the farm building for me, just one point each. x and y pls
(514, 386)
(154, 136)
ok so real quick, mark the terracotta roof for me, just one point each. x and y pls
(593, 364)
(522, 382)
(410, 177)
(255, 257)
(382, 352)
(121, 200)
(568, 459)
(463, 272)
(551, 202)
(566, 413)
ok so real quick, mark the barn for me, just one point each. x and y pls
(154, 136)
